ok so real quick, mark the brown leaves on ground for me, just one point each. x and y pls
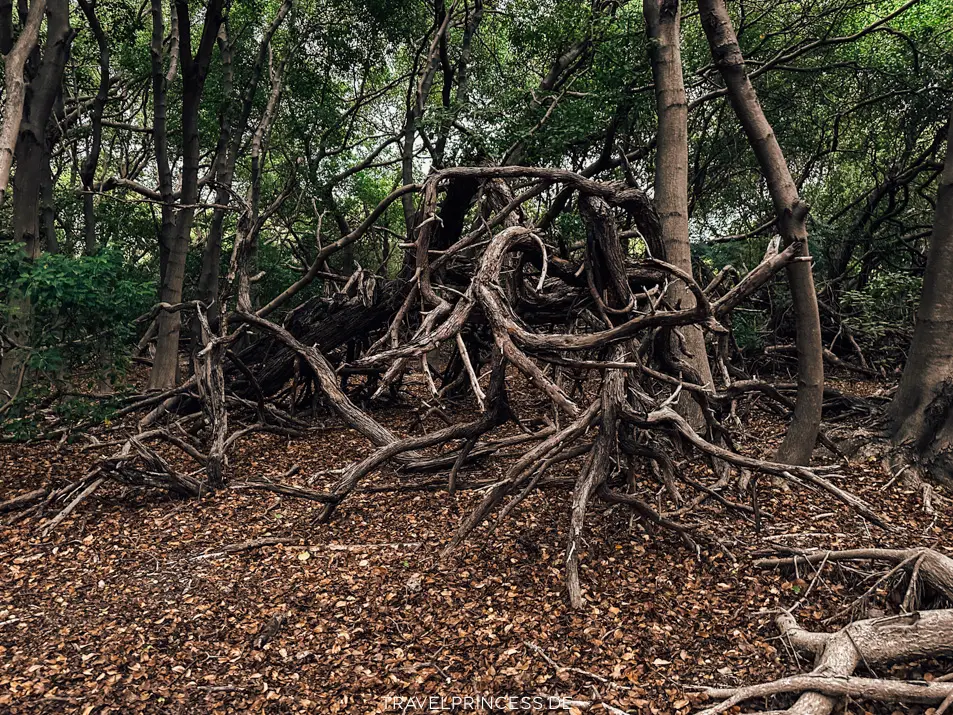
(115, 612)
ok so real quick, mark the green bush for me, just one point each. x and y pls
(83, 307)
(881, 315)
(749, 328)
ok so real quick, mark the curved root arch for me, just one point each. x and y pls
(581, 323)
(871, 643)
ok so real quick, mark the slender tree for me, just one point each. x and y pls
(194, 70)
(88, 171)
(32, 155)
(232, 128)
(791, 223)
(14, 60)
(166, 359)
(663, 24)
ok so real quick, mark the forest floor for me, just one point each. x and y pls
(129, 606)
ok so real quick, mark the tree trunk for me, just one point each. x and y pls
(32, 161)
(194, 71)
(662, 19)
(791, 224)
(164, 366)
(245, 252)
(224, 166)
(88, 171)
(921, 414)
(48, 204)
(15, 87)
(26, 193)
(232, 128)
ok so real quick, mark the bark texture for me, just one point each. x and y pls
(164, 367)
(88, 171)
(15, 89)
(32, 173)
(232, 127)
(791, 215)
(663, 23)
(921, 414)
(194, 71)
(872, 643)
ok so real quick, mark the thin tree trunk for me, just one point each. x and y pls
(32, 150)
(232, 129)
(6, 26)
(194, 72)
(15, 88)
(921, 413)
(47, 205)
(792, 225)
(417, 95)
(224, 173)
(87, 173)
(245, 252)
(164, 366)
(662, 19)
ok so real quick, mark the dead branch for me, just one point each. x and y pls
(872, 642)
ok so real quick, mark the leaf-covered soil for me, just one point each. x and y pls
(128, 606)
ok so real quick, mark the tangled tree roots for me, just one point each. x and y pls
(584, 325)
(913, 634)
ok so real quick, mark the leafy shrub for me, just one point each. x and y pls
(881, 315)
(40, 407)
(749, 328)
(83, 307)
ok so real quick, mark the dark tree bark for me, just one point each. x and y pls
(14, 60)
(48, 204)
(921, 414)
(418, 91)
(662, 20)
(32, 162)
(792, 225)
(232, 131)
(194, 71)
(6, 26)
(87, 173)
(224, 173)
(160, 139)
(245, 251)
(329, 326)
(458, 74)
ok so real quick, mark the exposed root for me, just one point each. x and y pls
(581, 326)
(89, 489)
(901, 466)
(871, 643)
(24, 500)
(932, 568)
(833, 685)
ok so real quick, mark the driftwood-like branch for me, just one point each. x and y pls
(860, 688)
(498, 298)
(785, 471)
(873, 643)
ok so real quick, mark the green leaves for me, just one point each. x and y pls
(83, 307)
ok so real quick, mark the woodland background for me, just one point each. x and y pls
(362, 348)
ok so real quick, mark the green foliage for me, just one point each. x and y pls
(881, 315)
(82, 308)
(41, 403)
(749, 328)
(851, 117)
